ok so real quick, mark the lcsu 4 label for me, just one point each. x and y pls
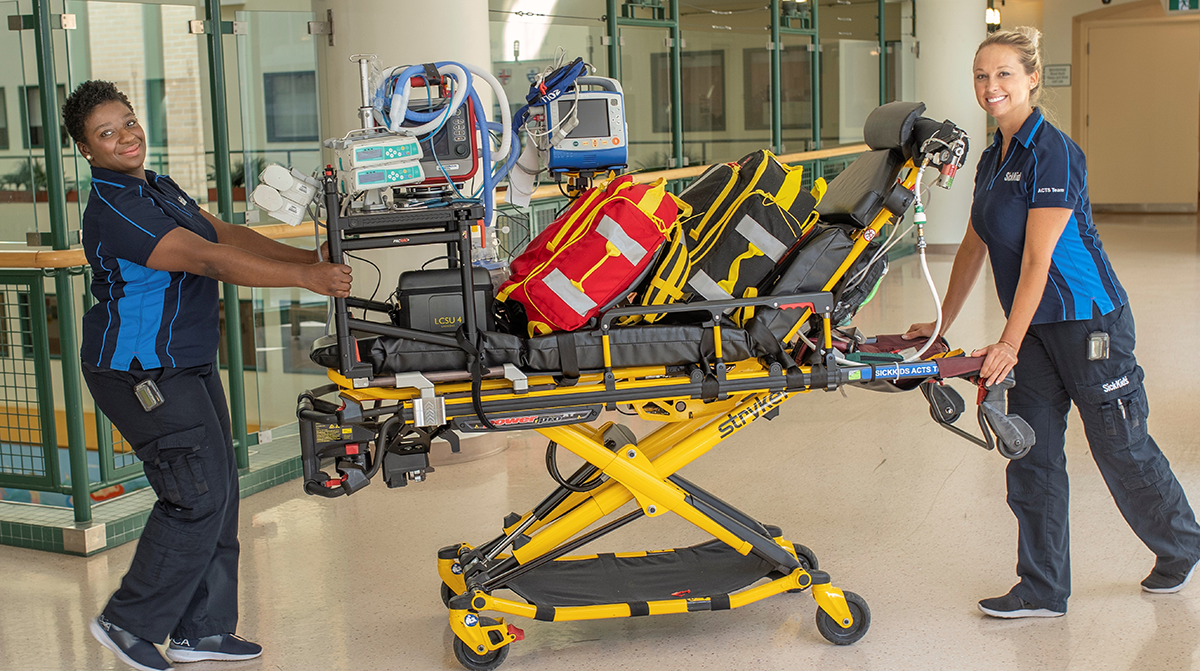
(741, 418)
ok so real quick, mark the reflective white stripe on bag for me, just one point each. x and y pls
(569, 293)
(761, 238)
(628, 247)
(706, 287)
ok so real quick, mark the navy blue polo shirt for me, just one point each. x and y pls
(1043, 168)
(159, 319)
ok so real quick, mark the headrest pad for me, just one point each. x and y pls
(890, 126)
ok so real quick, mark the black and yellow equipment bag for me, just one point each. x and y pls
(747, 217)
(819, 258)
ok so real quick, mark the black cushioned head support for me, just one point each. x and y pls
(858, 194)
(890, 126)
(869, 183)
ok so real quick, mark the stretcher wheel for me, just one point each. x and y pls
(474, 661)
(808, 558)
(808, 562)
(447, 594)
(1009, 453)
(834, 633)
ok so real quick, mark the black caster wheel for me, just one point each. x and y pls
(834, 633)
(1012, 453)
(473, 660)
(447, 594)
(808, 562)
(808, 558)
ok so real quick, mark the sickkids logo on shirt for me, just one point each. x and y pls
(1012, 176)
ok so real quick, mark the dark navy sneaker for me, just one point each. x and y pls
(136, 652)
(218, 647)
(1163, 583)
(1010, 606)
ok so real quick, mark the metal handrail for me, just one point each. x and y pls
(551, 191)
(54, 259)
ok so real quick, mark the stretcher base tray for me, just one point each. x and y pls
(705, 570)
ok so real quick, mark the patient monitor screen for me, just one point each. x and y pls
(593, 117)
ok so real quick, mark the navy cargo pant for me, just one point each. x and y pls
(183, 579)
(1053, 371)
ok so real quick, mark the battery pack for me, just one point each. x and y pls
(431, 300)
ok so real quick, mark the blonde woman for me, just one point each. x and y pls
(1031, 216)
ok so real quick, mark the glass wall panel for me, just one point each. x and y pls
(902, 57)
(797, 92)
(726, 83)
(277, 97)
(892, 31)
(274, 118)
(147, 51)
(526, 37)
(849, 68)
(22, 170)
(645, 79)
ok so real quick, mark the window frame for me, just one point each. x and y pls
(273, 133)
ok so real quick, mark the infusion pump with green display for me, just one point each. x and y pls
(378, 162)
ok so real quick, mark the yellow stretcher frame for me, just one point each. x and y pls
(638, 472)
(635, 473)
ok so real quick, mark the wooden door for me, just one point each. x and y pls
(1142, 120)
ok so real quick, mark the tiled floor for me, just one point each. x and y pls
(41, 527)
(898, 510)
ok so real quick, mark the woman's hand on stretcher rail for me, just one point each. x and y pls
(998, 358)
(920, 331)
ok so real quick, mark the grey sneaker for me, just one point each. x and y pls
(136, 652)
(1162, 583)
(1010, 606)
(218, 647)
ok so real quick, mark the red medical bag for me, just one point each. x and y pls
(592, 255)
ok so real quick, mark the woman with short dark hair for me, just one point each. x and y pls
(149, 352)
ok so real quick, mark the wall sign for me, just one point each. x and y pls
(1181, 5)
(1058, 75)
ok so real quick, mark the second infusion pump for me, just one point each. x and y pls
(599, 140)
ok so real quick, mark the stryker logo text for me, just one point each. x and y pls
(735, 421)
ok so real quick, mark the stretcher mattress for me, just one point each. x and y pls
(647, 345)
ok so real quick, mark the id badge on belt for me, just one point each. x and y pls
(1097, 346)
